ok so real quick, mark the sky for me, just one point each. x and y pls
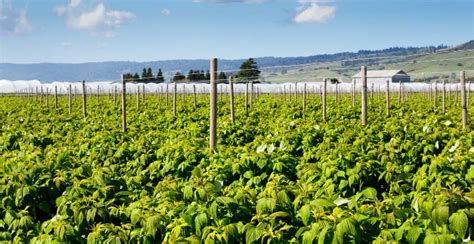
(77, 31)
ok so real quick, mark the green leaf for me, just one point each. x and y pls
(305, 214)
(200, 221)
(252, 234)
(135, 216)
(152, 225)
(266, 205)
(459, 222)
(323, 234)
(440, 215)
(323, 203)
(370, 193)
(346, 228)
(310, 235)
(413, 234)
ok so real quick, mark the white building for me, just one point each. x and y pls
(381, 76)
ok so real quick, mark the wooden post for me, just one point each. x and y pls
(213, 105)
(436, 94)
(221, 93)
(321, 92)
(430, 93)
(387, 98)
(463, 100)
(55, 97)
(246, 98)
(296, 92)
(379, 92)
(175, 91)
(304, 98)
(137, 98)
(69, 101)
(456, 93)
(143, 93)
(251, 94)
(195, 99)
(372, 93)
(231, 84)
(183, 96)
(336, 98)
(84, 98)
(115, 95)
(98, 90)
(399, 93)
(289, 93)
(41, 95)
(47, 97)
(444, 97)
(364, 95)
(353, 92)
(324, 98)
(167, 94)
(124, 105)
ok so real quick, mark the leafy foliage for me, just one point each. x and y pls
(276, 176)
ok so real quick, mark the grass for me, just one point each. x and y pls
(445, 65)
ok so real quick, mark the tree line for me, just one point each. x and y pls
(146, 77)
(248, 71)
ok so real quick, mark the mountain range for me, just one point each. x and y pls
(111, 70)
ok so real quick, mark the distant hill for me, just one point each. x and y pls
(444, 64)
(48, 72)
(465, 46)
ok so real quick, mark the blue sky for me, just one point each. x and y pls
(74, 31)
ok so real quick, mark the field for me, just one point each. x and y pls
(278, 174)
(422, 67)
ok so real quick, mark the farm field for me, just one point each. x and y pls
(277, 174)
(423, 66)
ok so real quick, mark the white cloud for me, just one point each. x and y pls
(96, 19)
(23, 25)
(88, 20)
(13, 20)
(166, 12)
(312, 11)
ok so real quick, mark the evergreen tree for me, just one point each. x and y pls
(191, 75)
(159, 76)
(149, 74)
(136, 77)
(208, 76)
(178, 77)
(222, 77)
(144, 74)
(202, 76)
(248, 70)
(128, 77)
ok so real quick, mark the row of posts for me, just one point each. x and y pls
(213, 98)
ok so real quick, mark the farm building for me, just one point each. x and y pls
(381, 76)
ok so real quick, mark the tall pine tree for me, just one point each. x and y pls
(144, 74)
(159, 77)
(248, 71)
